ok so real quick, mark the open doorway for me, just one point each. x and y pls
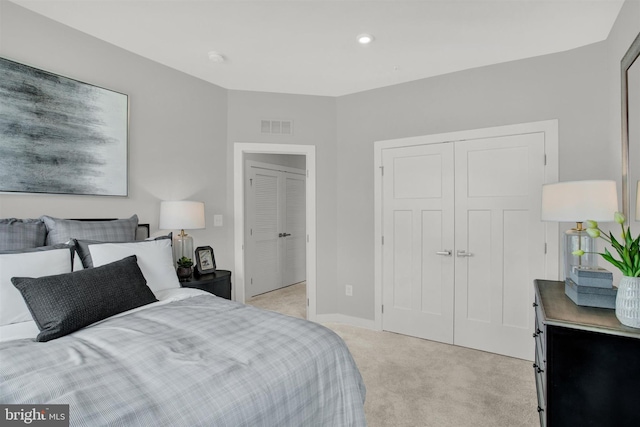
(267, 162)
(275, 231)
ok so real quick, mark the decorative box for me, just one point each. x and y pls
(590, 276)
(590, 296)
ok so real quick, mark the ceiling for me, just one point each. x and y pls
(309, 47)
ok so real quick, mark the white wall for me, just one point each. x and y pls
(178, 125)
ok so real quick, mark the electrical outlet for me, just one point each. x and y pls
(217, 220)
(348, 290)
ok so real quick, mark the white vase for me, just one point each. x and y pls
(628, 301)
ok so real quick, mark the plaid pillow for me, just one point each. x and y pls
(63, 230)
(16, 234)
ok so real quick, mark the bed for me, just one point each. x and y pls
(123, 344)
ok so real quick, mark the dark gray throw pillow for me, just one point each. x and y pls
(64, 303)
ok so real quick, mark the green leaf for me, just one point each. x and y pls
(617, 246)
(607, 255)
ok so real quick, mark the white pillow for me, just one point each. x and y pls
(27, 264)
(155, 259)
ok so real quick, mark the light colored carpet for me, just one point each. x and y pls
(413, 382)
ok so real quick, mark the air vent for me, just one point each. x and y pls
(279, 127)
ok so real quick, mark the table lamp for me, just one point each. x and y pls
(182, 215)
(578, 201)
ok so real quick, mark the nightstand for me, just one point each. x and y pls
(587, 364)
(218, 283)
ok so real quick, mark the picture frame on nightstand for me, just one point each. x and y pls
(205, 260)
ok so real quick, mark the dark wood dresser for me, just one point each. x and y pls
(587, 364)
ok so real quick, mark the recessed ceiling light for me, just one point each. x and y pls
(365, 38)
(216, 57)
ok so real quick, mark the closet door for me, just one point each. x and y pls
(264, 245)
(418, 220)
(276, 242)
(499, 241)
(295, 242)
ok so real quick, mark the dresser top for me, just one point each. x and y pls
(559, 310)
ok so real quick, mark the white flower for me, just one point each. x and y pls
(593, 232)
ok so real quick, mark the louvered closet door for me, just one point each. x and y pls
(499, 241)
(295, 259)
(264, 243)
(418, 220)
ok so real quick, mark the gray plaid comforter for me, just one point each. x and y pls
(202, 361)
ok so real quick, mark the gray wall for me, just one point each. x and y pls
(580, 88)
(178, 127)
(183, 131)
(570, 87)
(622, 34)
(314, 124)
(625, 30)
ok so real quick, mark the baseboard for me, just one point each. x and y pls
(346, 320)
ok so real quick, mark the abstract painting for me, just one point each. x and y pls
(59, 135)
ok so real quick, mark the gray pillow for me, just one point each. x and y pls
(82, 247)
(64, 303)
(69, 245)
(63, 230)
(16, 234)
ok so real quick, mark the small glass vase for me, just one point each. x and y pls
(628, 301)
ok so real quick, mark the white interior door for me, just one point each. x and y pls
(500, 241)
(264, 246)
(295, 259)
(488, 214)
(418, 221)
(276, 228)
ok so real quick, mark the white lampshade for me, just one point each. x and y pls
(181, 215)
(578, 201)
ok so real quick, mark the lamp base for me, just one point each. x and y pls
(578, 239)
(182, 246)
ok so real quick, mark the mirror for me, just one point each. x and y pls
(630, 78)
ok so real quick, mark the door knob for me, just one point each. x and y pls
(444, 253)
(286, 234)
(463, 253)
(280, 234)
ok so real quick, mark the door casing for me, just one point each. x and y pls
(309, 151)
